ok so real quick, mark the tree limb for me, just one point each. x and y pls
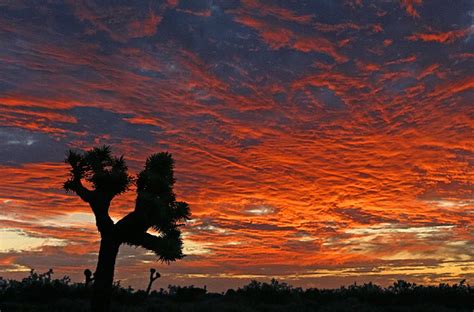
(84, 193)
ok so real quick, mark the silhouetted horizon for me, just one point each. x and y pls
(42, 292)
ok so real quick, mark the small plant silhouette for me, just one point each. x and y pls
(155, 207)
(88, 276)
(40, 278)
(154, 275)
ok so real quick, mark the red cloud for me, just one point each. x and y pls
(145, 27)
(277, 37)
(440, 37)
(265, 9)
(121, 22)
(274, 36)
(409, 6)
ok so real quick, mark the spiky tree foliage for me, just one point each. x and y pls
(156, 208)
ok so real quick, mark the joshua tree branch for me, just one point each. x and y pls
(133, 223)
(98, 202)
(75, 184)
(105, 224)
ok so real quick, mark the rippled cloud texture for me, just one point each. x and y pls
(319, 142)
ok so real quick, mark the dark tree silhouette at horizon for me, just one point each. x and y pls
(155, 207)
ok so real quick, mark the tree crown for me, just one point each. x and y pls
(156, 206)
(106, 173)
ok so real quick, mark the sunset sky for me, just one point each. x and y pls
(318, 142)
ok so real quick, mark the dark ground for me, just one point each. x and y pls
(40, 292)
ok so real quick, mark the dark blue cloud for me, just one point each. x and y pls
(22, 146)
(97, 122)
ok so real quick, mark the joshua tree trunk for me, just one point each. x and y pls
(148, 289)
(104, 274)
(109, 247)
(112, 236)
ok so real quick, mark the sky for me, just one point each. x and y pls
(318, 142)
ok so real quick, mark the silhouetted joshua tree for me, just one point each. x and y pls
(155, 207)
(153, 277)
(89, 277)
